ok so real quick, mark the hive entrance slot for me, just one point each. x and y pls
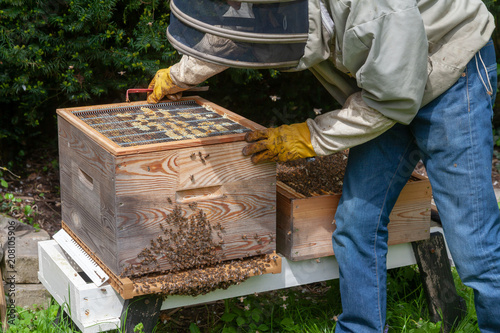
(199, 194)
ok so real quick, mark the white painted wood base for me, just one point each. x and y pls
(93, 309)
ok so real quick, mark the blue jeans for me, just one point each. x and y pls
(453, 137)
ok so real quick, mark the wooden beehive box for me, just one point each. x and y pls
(305, 224)
(125, 166)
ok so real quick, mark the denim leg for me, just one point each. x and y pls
(454, 133)
(376, 172)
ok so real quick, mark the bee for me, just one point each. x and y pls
(201, 157)
(192, 178)
(207, 156)
(193, 156)
(169, 200)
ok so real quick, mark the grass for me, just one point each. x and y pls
(309, 308)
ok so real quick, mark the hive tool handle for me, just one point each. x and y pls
(145, 90)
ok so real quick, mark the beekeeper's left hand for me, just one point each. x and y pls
(281, 144)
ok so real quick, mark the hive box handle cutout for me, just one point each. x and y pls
(86, 179)
(199, 194)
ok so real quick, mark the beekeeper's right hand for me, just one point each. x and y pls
(162, 86)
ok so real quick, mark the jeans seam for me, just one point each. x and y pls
(377, 229)
(477, 212)
(467, 90)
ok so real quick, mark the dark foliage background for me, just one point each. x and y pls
(60, 53)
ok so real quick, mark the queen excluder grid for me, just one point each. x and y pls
(157, 123)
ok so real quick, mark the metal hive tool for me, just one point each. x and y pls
(145, 124)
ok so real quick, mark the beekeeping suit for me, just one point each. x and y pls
(382, 60)
(417, 80)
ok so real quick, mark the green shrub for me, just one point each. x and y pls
(60, 53)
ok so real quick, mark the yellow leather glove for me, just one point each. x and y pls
(162, 86)
(281, 144)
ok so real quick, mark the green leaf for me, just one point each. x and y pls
(4, 183)
(193, 328)
(228, 317)
(28, 210)
(287, 321)
(263, 328)
(256, 315)
(240, 321)
(289, 325)
(139, 328)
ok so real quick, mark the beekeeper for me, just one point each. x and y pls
(417, 81)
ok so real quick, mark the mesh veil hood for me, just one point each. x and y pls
(251, 34)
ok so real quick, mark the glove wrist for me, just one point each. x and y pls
(163, 85)
(302, 145)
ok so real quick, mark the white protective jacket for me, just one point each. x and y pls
(383, 60)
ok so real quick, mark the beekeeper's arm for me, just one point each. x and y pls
(187, 73)
(388, 57)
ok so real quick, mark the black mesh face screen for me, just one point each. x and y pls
(242, 34)
(156, 123)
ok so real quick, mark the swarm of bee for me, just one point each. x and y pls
(193, 248)
(321, 175)
(199, 281)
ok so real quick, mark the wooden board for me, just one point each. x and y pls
(305, 224)
(87, 190)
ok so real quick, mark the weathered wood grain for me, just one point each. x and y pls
(149, 173)
(87, 188)
(244, 208)
(219, 164)
(305, 225)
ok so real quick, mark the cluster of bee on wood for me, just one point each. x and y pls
(199, 281)
(194, 249)
(323, 175)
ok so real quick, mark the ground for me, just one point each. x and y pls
(37, 186)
